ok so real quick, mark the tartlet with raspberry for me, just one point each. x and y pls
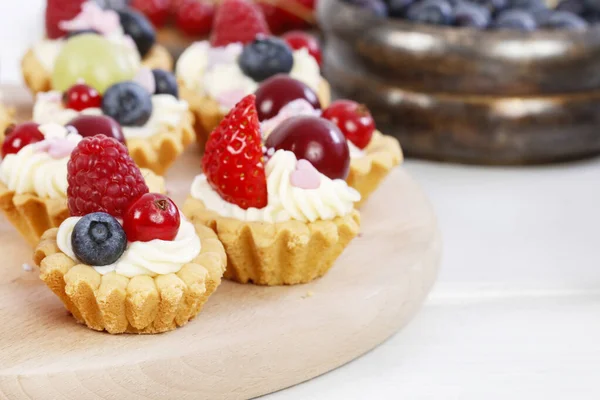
(126, 260)
(281, 209)
(372, 154)
(156, 124)
(214, 75)
(124, 40)
(33, 177)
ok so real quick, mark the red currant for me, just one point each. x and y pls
(152, 216)
(92, 125)
(353, 119)
(157, 11)
(316, 140)
(81, 96)
(20, 136)
(194, 17)
(277, 91)
(301, 40)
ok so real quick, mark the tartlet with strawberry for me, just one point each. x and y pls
(372, 154)
(33, 176)
(156, 124)
(126, 260)
(214, 75)
(126, 37)
(281, 209)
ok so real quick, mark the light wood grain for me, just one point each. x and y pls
(249, 340)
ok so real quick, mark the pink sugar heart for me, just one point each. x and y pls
(305, 176)
(145, 78)
(230, 98)
(57, 148)
(93, 17)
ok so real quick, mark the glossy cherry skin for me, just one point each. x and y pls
(301, 40)
(353, 119)
(316, 140)
(277, 91)
(81, 96)
(92, 125)
(152, 216)
(20, 136)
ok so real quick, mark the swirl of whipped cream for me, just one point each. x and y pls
(33, 170)
(167, 111)
(333, 198)
(156, 257)
(215, 71)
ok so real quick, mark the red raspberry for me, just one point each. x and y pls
(157, 11)
(195, 18)
(237, 21)
(60, 10)
(233, 158)
(102, 177)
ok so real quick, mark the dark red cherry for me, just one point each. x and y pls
(20, 136)
(316, 140)
(277, 91)
(92, 125)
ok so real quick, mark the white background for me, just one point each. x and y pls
(516, 311)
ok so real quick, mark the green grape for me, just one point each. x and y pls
(98, 61)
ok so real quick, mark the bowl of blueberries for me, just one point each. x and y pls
(472, 81)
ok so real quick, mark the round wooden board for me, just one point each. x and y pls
(249, 340)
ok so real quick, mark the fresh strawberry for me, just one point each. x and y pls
(288, 15)
(60, 10)
(233, 158)
(157, 11)
(195, 17)
(237, 21)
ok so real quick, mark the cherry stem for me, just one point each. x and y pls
(161, 204)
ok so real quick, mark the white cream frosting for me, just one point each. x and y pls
(215, 71)
(167, 111)
(333, 198)
(355, 152)
(34, 171)
(156, 257)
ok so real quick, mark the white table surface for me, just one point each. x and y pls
(516, 311)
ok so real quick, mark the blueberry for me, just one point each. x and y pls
(574, 6)
(398, 8)
(128, 103)
(82, 32)
(493, 6)
(377, 7)
(471, 15)
(437, 12)
(564, 20)
(98, 239)
(521, 20)
(139, 28)
(527, 4)
(266, 57)
(165, 82)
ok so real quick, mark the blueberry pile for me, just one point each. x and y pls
(523, 15)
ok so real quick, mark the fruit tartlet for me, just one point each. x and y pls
(126, 260)
(156, 124)
(33, 177)
(123, 39)
(372, 154)
(215, 75)
(281, 219)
